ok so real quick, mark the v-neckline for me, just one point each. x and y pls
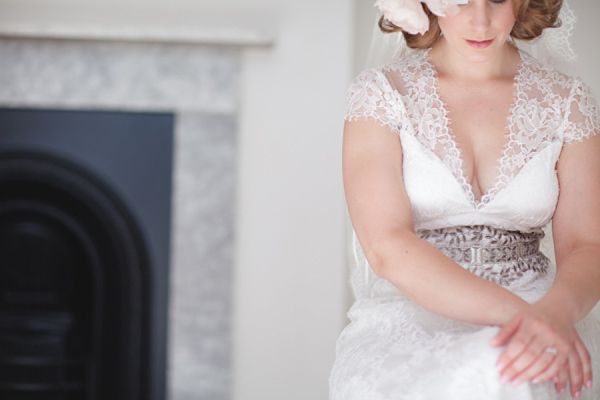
(489, 194)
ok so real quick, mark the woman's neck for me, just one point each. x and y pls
(449, 63)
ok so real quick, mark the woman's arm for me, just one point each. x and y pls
(576, 289)
(381, 215)
(576, 230)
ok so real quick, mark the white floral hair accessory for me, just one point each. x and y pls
(410, 15)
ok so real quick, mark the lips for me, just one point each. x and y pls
(480, 44)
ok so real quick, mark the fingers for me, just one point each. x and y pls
(584, 355)
(545, 368)
(506, 332)
(571, 364)
(575, 374)
(580, 370)
(516, 348)
(538, 374)
(526, 356)
(534, 364)
(560, 380)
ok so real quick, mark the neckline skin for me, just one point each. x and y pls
(488, 193)
(504, 66)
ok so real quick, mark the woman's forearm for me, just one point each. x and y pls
(576, 288)
(434, 281)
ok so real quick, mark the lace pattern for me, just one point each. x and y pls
(584, 114)
(423, 104)
(548, 106)
(370, 97)
(534, 120)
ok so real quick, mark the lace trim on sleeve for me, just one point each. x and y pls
(583, 119)
(371, 96)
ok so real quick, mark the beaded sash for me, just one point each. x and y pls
(497, 255)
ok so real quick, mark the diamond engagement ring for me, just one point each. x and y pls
(551, 350)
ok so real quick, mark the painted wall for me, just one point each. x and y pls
(291, 281)
(585, 41)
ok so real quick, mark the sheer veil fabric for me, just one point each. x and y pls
(393, 349)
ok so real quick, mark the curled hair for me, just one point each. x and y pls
(531, 18)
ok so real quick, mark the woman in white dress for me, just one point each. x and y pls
(453, 158)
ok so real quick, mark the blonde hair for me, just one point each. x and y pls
(531, 18)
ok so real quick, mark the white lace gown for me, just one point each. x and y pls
(393, 349)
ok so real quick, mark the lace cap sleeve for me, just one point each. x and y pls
(372, 96)
(583, 114)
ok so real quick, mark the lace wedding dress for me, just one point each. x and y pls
(393, 349)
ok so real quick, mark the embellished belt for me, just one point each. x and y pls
(498, 255)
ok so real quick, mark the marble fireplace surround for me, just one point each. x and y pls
(196, 76)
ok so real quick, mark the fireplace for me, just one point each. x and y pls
(84, 244)
(195, 86)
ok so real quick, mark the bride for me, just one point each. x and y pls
(453, 158)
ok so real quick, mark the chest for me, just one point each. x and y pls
(438, 197)
(477, 119)
(481, 150)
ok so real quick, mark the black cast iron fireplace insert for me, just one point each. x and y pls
(82, 284)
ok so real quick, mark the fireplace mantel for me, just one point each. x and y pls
(222, 36)
(245, 25)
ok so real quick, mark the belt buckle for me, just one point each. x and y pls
(476, 255)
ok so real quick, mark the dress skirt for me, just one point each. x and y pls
(393, 349)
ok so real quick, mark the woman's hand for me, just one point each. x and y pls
(541, 346)
(569, 370)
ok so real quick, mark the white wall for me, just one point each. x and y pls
(586, 41)
(291, 281)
